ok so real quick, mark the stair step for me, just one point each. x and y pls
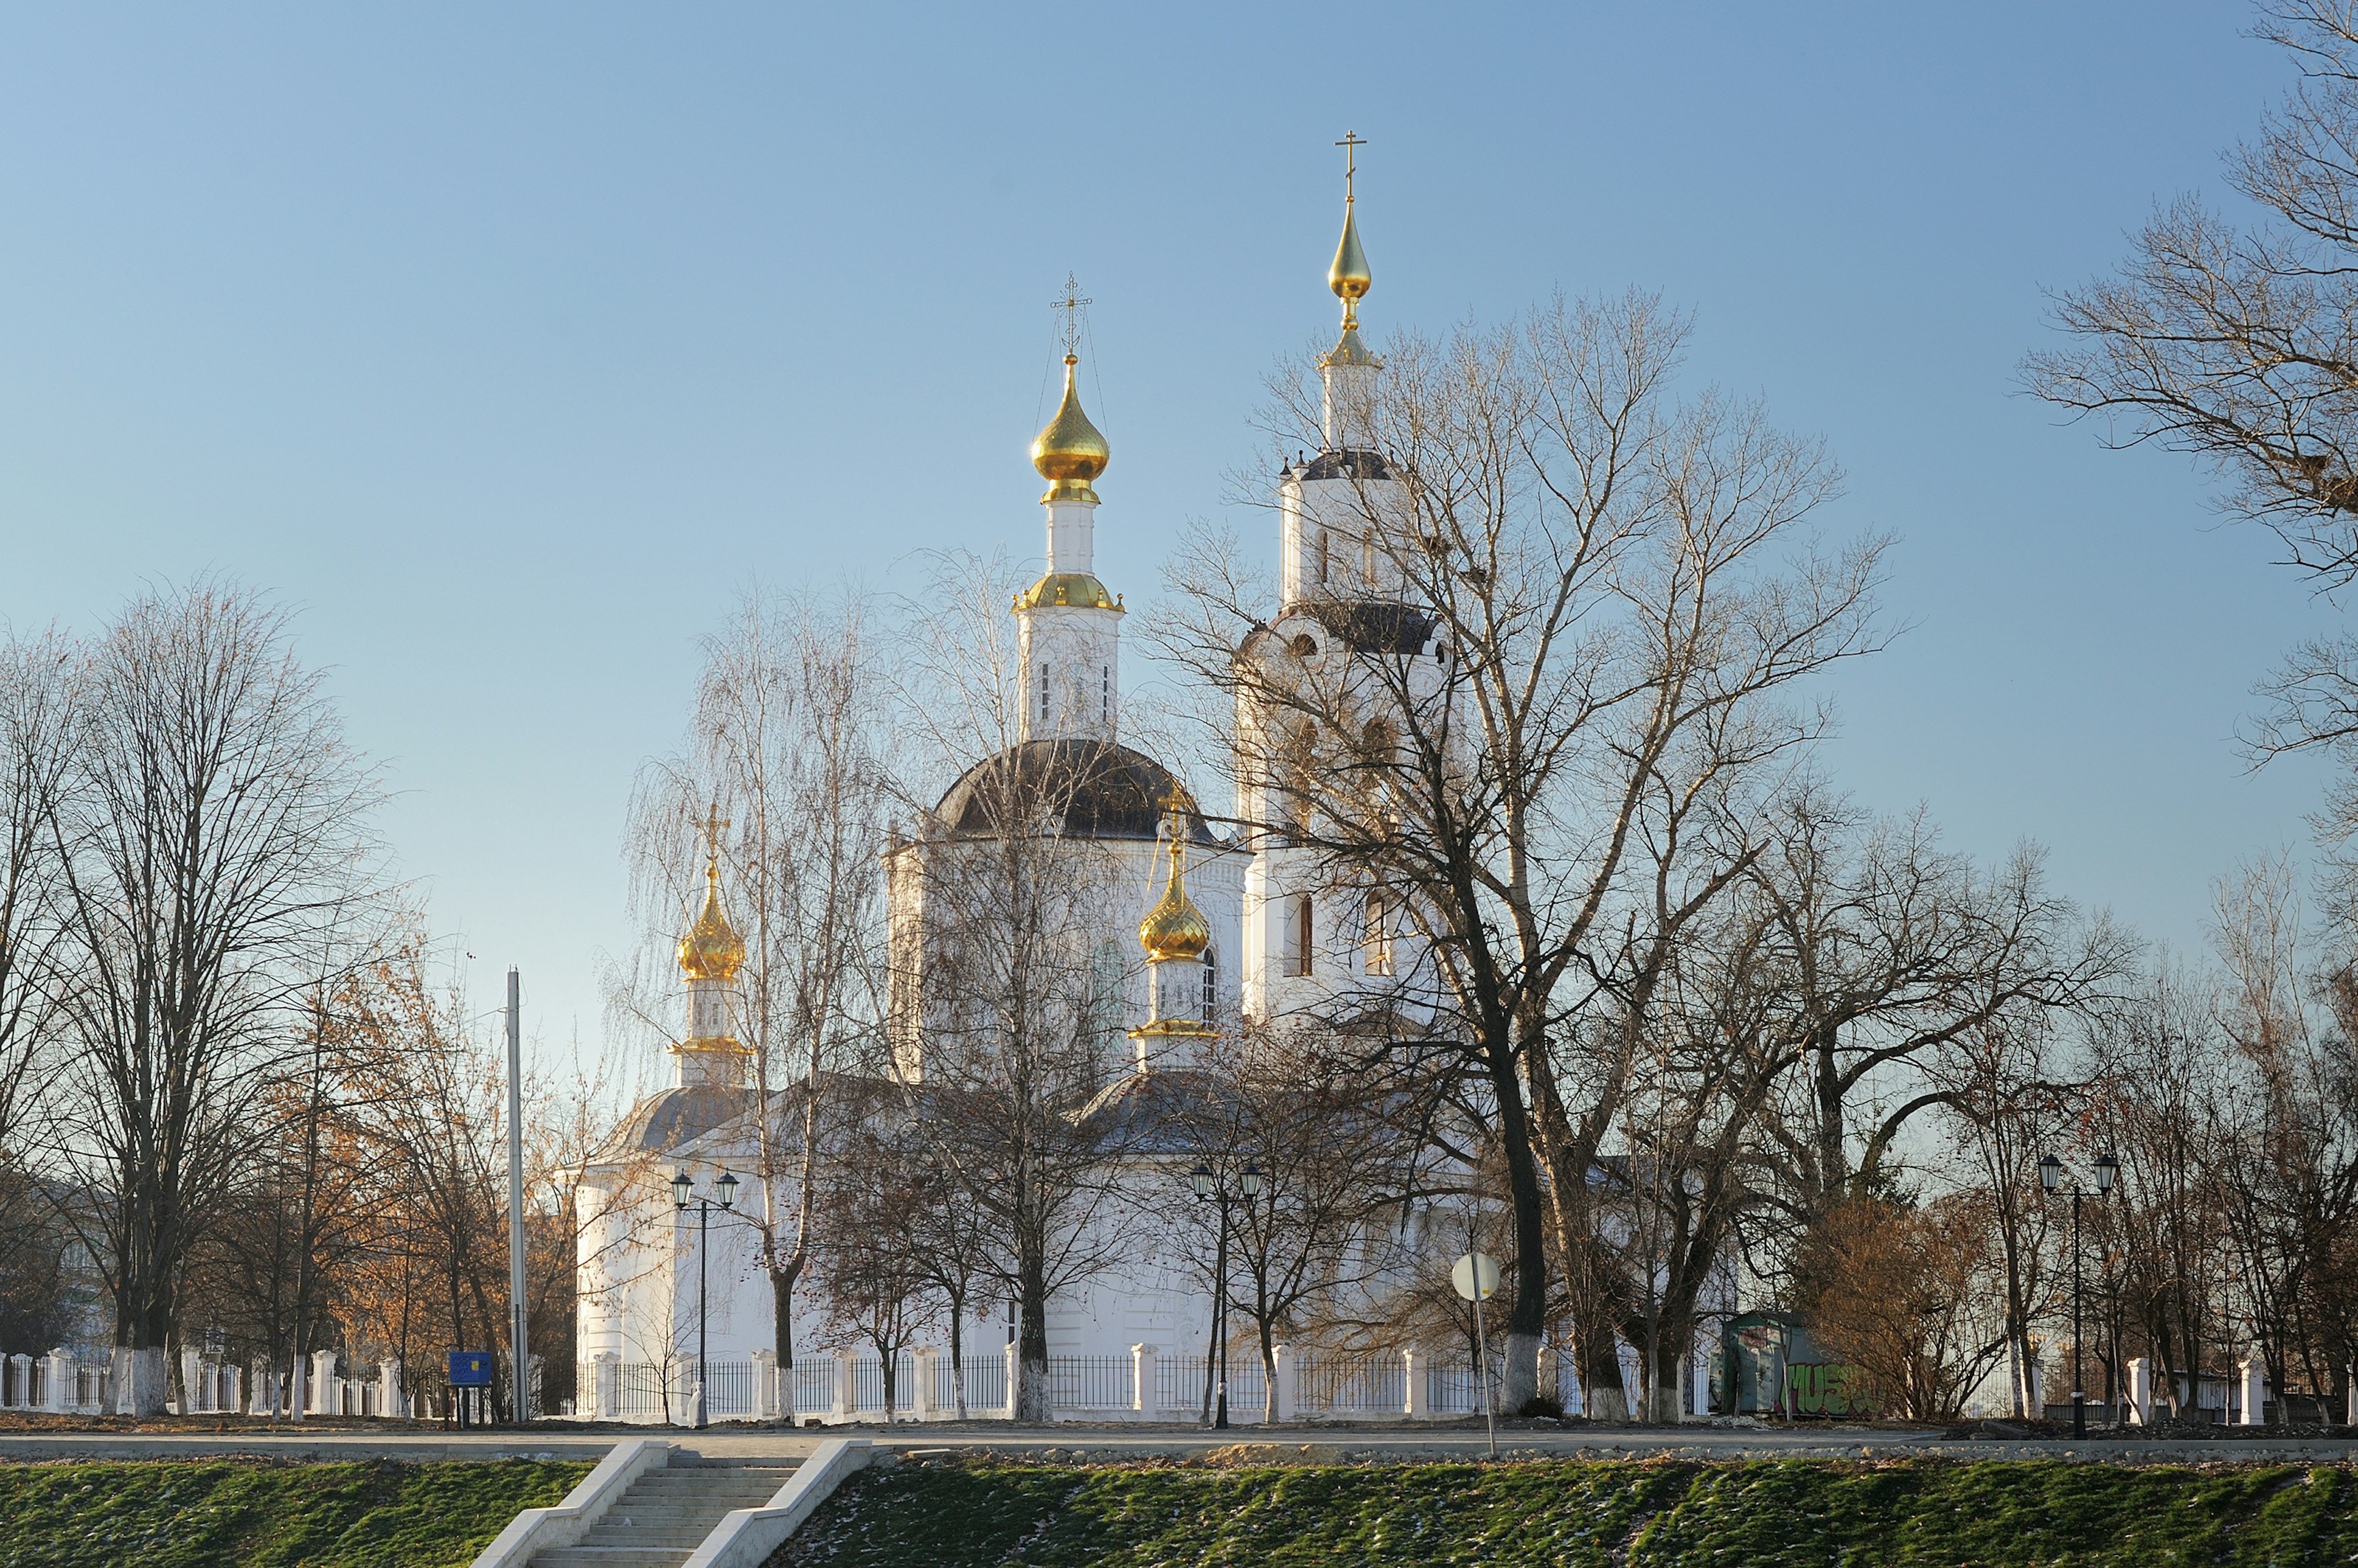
(666, 1514)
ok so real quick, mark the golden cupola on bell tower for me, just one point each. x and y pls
(1069, 627)
(711, 956)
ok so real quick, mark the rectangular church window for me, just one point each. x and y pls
(1297, 935)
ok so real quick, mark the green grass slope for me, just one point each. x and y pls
(1571, 1515)
(232, 1514)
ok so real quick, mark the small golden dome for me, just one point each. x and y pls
(1069, 588)
(1068, 451)
(1174, 928)
(711, 950)
(1349, 277)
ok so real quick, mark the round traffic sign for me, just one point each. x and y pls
(1476, 1276)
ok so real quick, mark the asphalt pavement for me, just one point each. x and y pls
(1074, 1442)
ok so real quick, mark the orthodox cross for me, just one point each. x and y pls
(1071, 306)
(710, 825)
(1350, 143)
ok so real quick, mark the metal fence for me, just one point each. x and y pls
(986, 1383)
(728, 1391)
(1365, 1385)
(1455, 1388)
(814, 1385)
(642, 1392)
(1359, 1386)
(1091, 1382)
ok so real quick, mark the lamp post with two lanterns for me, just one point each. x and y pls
(1209, 1189)
(683, 1196)
(2051, 1181)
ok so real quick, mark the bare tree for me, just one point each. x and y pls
(1565, 772)
(789, 747)
(2234, 338)
(1338, 1163)
(998, 903)
(39, 693)
(213, 827)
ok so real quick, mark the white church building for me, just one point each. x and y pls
(1194, 931)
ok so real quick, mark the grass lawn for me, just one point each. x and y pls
(1574, 1514)
(230, 1513)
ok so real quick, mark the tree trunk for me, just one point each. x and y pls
(1527, 1319)
(1032, 1348)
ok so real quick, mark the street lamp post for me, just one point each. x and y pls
(683, 1196)
(2051, 1181)
(1209, 1189)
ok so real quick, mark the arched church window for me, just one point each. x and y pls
(1044, 688)
(1322, 558)
(1304, 646)
(1211, 985)
(1378, 943)
(1104, 692)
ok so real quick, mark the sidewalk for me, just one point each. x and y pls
(1073, 1443)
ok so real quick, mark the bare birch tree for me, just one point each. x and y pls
(789, 749)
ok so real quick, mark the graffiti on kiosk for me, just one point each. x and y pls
(1824, 1387)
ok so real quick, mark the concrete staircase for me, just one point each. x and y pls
(668, 1513)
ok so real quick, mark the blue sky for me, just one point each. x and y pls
(508, 342)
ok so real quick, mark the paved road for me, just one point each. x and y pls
(1313, 1444)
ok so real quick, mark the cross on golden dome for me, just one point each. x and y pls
(1071, 304)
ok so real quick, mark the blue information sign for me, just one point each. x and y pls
(471, 1369)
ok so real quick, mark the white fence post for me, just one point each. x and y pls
(192, 1363)
(765, 1385)
(1283, 1388)
(63, 1395)
(1142, 1398)
(1420, 1402)
(22, 1365)
(924, 1363)
(2256, 1388)
(606, 1385)
(846, 1391)
(1014, 1369)
(321, 1399)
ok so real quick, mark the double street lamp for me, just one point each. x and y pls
(2051, 1181)
(683, 1197)
(1209, 1189)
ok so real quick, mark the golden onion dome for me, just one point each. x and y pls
(1174, 928)
(1068, 451)
(1349, 277)
(711, 950)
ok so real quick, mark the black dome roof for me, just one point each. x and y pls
(1098, 788)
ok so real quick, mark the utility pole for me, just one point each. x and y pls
(519, 1349)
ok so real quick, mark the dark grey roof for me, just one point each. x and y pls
(1163, 1111)
(1096, 788)
(1344, 465)
(678, 1116)
(1371, 627)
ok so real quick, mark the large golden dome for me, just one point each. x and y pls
(1068, 451)
(711, 950)
(1174, 928)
